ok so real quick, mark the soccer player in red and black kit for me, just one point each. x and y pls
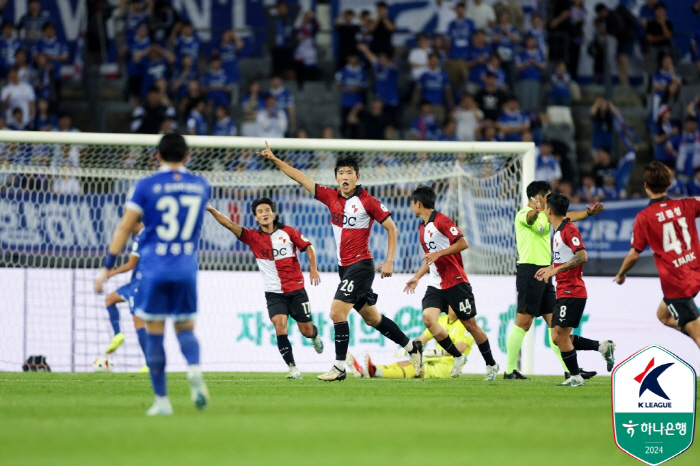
(275, 248)
(569, 255)
(443, 244)
(353, 210)
(667, 226)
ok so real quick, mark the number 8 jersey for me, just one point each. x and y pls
(171, 204)
(667, 226)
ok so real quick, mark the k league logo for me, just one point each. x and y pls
(653, 401)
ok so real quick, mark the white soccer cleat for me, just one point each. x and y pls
(491, 372)
(294, 373)
(199, 394)
(573, 381)
(416, 356)
(161, 407)
(332, 375)
(354, 365)
(459, 364)
(318, 344)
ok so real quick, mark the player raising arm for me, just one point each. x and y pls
(353, 210)
(275, 248)
(171, 203)
(667, 226)
(443, 244)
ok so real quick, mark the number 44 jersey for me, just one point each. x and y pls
(171, 204)
(667, 226)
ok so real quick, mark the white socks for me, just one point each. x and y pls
(340, 365)
(409, 346)
(602, 347)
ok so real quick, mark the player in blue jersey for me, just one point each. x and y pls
(171, 203)
(126, 294)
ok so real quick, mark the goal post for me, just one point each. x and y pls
(61, 196)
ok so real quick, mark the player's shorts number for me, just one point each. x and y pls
(307, 308)
(671, 241)
(347, 286)
(170, 206)
(465, 306)
(562, 312)
(673, 311)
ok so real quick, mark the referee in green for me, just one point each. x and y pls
(535, 298)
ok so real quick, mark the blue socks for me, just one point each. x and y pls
(189, 347)
(155, 358)
(114, 318)
(143, 338)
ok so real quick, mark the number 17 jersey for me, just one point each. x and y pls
(667, 226)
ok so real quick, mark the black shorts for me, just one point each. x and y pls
(683, 310)
(568, 312)
(294, 304)
(535, 298)
(459, 297)
(356, 284)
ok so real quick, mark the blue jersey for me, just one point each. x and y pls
(530, 72)
(135, 252)
(192, 75)
(285, 99)
(229, 61)
(677, 189)
(612, 193)
(217, 78)
(53, 49)
(172, 205)
(32, 27)
(560, 84)
(664, 78)
(153, 70)
(46, 123)
(8, 48)
(187, 46)
(665, 152)
(433, 85)
(426, 128)
(477, 69)
(136, 46)
(348, 78)
(386, 83)
(516, 118)
(225, 127)
(500, 76)
(460, 32)
(540, 36)
(694, 188)
(197, 122)
(505, 48)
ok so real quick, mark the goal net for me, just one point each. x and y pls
(62, 194)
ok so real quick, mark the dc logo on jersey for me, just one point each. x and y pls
(383, 207)
(454, 231)
(157, 188)
(649, 381)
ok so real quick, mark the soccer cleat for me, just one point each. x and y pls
(491, 372)
(332, 375)
(354, 365)
(459, 364)
(585, 375)
(144, 369)
(318, 344)
(609, 354)
(294, 372)
(369, 367)
(117, 341)
(161, 407)
(198, 389)
(515, 375)
(575, 381)
(417, 357)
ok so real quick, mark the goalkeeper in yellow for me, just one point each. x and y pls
(437, 363)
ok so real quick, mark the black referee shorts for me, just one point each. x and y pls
(535, 298)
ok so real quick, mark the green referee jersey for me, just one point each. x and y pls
(532, 240)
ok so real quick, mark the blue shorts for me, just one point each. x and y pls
(171, 296)
(128, 294)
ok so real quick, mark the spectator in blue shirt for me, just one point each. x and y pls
(284, 100)
(478, 56)
(687, 146)
(694, 185)
(434, 86)
(661, 80)
(230, 50)
(560, 94)
(187, 43)
(530, 63)
(9, 45)
(31, 25)
(504, 38)
(184, 73)
(45, 120)
(678, 189)
(41, 80)
(386, 83)
(695, 48)
(224, 124)
(136, 48)
(547, 167)
(459, 32)
(55, 50)
(589, 192)
(602, 118)
(664, 135)
(217, 85)
(425, 126)
(537, 31)
(196, 123)
(351, 81)
(156, 64)
(449, 131)
(611, 191)
(494, 66)
(512, 123)
(136, 16)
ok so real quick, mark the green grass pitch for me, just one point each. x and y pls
(263, 419)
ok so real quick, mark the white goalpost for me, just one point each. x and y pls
(61, 195)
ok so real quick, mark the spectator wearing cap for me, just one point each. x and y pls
(504, 38)
(9, 45)
(386, 83)
(351, 81)
(148, 117)
(459, 32)
(482, 14)
(664, 135)
(31, 25)
(478, 56)
(426, 126)
(688, 150)
(560, 93)
(491, 98)
(272, 121)
(187, 43)
(530, 63)
(434, 86)
(285, 101)
(196, 123)
(217, 85)
(56, 52)
(229, 50)
(134, 51)
(547, 167)
(512, 123)
(280, 27)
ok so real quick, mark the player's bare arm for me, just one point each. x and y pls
(627, 265)
(388, 266)
(290, 171)
(459, 246)
(314, 276)
(580, 258)
(590, 211)
(225, 221)
(121, 235)
(130, 264)
(413, 282)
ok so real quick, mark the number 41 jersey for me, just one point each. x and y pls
(667, 226)
(171, 204)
